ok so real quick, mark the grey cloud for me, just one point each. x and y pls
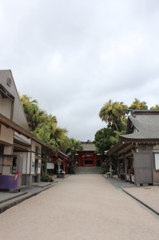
(73, 56)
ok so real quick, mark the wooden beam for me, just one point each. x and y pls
(129, 154)
(8, 123)
(125, 149)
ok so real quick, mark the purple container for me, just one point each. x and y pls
(9, 182)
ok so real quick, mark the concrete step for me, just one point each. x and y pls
(6, 196)
(88, 170)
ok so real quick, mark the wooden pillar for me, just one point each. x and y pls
(55, 166)
(64, 166)
(110, 168)
(80, 160)
(118, 164)
(126, 167)
(94, 160)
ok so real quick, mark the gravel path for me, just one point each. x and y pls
(79, 207)
(148, 195)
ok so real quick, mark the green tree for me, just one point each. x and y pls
(74, 145)
(137, 105)
(52, 134)
(113, 112)
(105, 138)
(45, 127)
(32, 112)
(156, 107)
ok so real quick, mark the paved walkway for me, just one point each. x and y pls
(80, 207)
(147, 195)
(10, 199)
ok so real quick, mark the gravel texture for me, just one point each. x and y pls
(79, 207)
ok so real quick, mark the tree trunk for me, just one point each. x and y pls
(45, 165)
(73, 158)
(116, 126)
(110, 169)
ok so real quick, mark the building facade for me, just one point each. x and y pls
(88, 157)
(138, 151)
(20, 151)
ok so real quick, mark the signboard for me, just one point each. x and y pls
(32, 167)
(50, 165)
(7, 161)
(33, 164)
(39, 166)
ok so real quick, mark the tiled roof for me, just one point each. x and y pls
(88, 146)
(147, 124)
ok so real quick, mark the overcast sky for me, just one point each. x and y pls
(75, 55)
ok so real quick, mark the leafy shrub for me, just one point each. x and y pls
(46, 178)
(104, 169)
(71, 170)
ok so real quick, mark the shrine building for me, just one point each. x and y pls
(88, 157)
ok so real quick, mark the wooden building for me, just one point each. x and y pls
(20, 151)
(88, 157)
(138, 150)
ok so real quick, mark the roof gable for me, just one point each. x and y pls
(147, 124)
(8, 84)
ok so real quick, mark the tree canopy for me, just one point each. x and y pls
(74, 145)
(113, 112)
(32, 111)
(105, 138)
(137, 105)
(45, 126)
(115, 115)
(156, 107)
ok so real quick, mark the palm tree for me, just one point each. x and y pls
(156, 107)
(65, 145)
(44, 126)
(57, 136)
(74, 145)
(53, 135)
(32, 111)
(137, 105)
(111, 112)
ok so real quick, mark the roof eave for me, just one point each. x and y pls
(8, 123)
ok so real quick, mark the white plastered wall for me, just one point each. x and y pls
(5, 106)
(6, 134)
(28, 163)
(33, 148)
(22, 138)
(24, 157)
